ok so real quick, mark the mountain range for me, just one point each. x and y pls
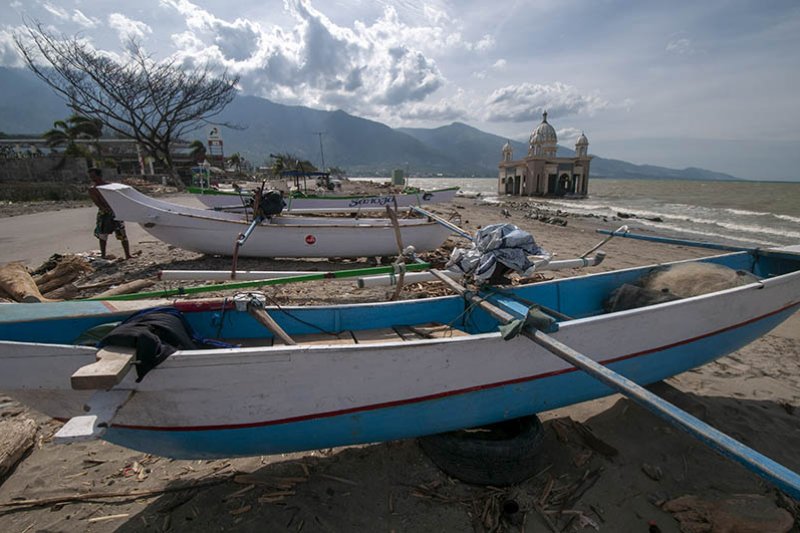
(357, 145)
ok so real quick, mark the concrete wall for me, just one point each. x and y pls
(39, 169)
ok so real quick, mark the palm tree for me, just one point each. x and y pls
(68, 133)
(235, 161)
(198, 151)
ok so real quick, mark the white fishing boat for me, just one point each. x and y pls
(215, 232)
(380, 371)
(301, 202)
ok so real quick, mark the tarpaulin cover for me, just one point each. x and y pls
(498, 243)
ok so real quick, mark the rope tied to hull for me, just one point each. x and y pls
(535, 318)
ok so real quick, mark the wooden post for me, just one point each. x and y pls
(257, 311)
(399, 238)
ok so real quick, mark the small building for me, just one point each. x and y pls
(542, 172)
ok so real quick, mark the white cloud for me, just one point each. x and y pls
(236, 41)
(9, 56)
(128, 28)
(681, 46)
(446, 110)
(500, 64)
(568, 135)
(56, 11)
(316, 62)
(486, 42)
(82, 20)
(523, 102)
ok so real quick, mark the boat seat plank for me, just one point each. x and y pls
(319, 339)
(432, 330)
(112, 364)
(371, 336)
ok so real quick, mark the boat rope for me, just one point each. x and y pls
(277, 306)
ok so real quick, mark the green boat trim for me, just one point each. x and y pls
(311, 276)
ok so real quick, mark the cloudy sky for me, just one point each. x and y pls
(708, 83)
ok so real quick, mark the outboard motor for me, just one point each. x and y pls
(267, 204)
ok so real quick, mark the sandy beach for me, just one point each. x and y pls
(645, 476)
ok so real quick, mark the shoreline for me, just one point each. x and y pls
(753, 394)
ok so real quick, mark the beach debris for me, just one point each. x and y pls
(67, 269)
(17, 436)
(743, 513)
(124, 495)
(126, 288)
(109, 517)
(19, 284)
(623, 215)
(653, 472)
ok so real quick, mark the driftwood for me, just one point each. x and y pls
(744, 513)
(67, 270)
(17, 436)
(65, 292)
(18, 283)
(126, 288)
(131, 494)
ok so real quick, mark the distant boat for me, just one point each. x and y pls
(215, 232)
(374, 372)
(301, 202)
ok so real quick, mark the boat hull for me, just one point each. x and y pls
(248, 401)
(215, 233)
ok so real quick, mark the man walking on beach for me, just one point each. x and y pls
(106, 224)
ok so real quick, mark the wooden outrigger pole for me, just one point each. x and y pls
(776, 474)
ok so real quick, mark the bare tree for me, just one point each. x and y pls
(152, 102)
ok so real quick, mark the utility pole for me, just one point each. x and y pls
(321, 154)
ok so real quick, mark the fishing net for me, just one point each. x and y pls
(675, 282)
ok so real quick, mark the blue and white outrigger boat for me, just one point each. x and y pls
(376, 372)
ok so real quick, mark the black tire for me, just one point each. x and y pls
(501, 454)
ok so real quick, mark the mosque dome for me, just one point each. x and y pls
(544, 133)
(582, 140)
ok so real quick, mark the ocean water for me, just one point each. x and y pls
(732, 212)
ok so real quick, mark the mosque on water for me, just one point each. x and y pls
(541, 172)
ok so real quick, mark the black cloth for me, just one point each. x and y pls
(155, 335)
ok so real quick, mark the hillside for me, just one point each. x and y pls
(360, 146)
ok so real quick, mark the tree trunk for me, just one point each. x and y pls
(173, 173)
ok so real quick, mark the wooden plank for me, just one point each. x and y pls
(17, 436)
(438, 331)
(112, 364)
(101, 408)
(258, 312)
(371, 336)
(432, 330)
(321, 339)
